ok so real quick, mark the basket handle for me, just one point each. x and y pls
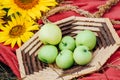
(65, 8)
(101, 10)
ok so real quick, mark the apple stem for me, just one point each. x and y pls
(60, 53)
(81, 44)
(85, 50)
(64, 44)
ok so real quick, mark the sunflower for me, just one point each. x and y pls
(18, 30)
(2, 13)
(32, 8)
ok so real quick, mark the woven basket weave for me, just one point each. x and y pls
(107, 43)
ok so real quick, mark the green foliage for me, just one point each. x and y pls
(6, 73)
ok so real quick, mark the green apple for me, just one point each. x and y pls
(65, 59)
(48, 53)
(50, 34)
(67, 42)
(82, 55)
(86, 38)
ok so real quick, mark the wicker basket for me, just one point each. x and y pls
(107, 43)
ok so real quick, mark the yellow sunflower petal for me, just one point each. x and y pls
(7, 27)
(2, 28)
(2, 14)
(11, 11)
(29, 34)
(13, 20)
(2, 39)
(20, 6)
(34, 27)
(49, 3)
(25, 37)
(10, 23)
(19, 42)
(2, 21)
(22, 38)
(7, 42)
(44, 8)
(5, 2)
(36, 12)
(2, 33)
(31, 14)
(13, 42)
(18, 19)
(16, 32)
(29, 22)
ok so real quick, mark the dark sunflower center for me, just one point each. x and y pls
(26, 4)
(17, 31)
(26, 1)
